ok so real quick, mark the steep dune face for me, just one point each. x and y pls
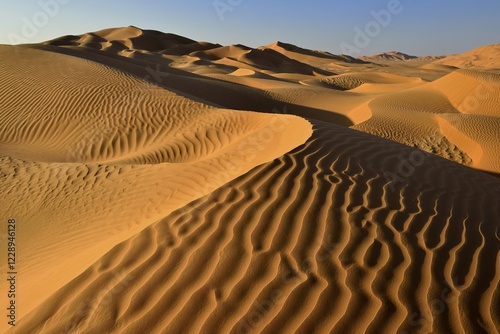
(346, 233)
(91, 155)
(319, 59)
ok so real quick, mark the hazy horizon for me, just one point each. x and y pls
(367, 27)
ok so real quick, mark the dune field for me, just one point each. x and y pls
(164, 185)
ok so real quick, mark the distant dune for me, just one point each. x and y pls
(485, 58)
(165, 185)
(391, 56)
(395, 56)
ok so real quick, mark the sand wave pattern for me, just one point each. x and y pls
(148, 199)
(317, 241)
(390, 95)
(90, 155)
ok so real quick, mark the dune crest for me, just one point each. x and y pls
(166, 185)
(319, 240)
(372, 96)
(103, 154)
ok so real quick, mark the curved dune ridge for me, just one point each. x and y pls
(322, 60)
(90, 155)
(80, 111)
(471, 92)
(393, 100)
(455, 117)
(316, 241)
(149, 199)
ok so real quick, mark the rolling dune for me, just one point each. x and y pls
(394, 100)
(165, 185)
(101, 154)
(455, 117)
(484, 58)
(316, 241)
(349, 81)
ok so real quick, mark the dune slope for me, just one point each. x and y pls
(455, 117)
(317, 241)
(484, 58)
(165, 185)
(393, 99)
(90, 155)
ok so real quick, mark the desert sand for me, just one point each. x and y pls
(165, 185)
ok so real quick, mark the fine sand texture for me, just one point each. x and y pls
(165, 185)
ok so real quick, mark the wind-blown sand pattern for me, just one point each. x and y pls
(81, 157)
(315, 241)
(161, 186)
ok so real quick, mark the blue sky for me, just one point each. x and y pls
(419, 27)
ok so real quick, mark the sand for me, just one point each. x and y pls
(484, 57)
(165, 185)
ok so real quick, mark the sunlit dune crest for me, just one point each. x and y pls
(165, 185)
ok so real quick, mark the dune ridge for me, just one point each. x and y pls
(370, 97)
(102, 154)
(166, 185)
(318, 236)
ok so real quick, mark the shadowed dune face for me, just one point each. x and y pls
(164, 185)
(316, 241)
(388, 95)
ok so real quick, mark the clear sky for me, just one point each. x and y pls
(419, 27)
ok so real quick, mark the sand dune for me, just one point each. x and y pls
(348, 81)
(389, 56)
(165, 185)
(436, 117)
(471, 92)
(320, 59)
(393, 57)
(485, 58)
(315, 241)
(87, 145)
